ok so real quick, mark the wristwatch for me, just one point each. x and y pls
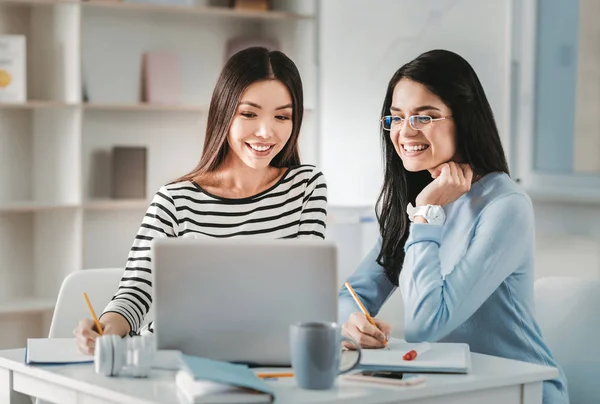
(434, 214)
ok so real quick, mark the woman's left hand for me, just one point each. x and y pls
(451, 181)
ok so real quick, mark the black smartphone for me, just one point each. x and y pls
(387, 375)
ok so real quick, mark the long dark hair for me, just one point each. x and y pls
(244, 68)
(453, 80)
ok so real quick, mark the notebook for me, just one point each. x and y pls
(443, 357)
(54, 351)
(203, 380)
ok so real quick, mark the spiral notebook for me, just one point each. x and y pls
(442, 357)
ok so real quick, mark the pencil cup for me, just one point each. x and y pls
(316, 350)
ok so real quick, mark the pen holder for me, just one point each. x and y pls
(129, 357)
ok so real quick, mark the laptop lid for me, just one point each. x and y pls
(235, 299)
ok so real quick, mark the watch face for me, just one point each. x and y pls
(436, 215)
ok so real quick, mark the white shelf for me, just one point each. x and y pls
(36, 105)
(32, 105)
(28, 206)
(157, 8)
(214, 11)
(37, 2)
(133, 107)
(125, 204)
(25, 306)
(141, 107)
(144, 107)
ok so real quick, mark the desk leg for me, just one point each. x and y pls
(7, 394)
(532, 393)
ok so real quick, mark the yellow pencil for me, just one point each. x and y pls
(274, 375)
(361, 306)
(98, 326)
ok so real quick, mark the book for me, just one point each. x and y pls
(128, 172)
(13, 87)
(161, 78)
(442, 357)
(203, 380)
(54, 351)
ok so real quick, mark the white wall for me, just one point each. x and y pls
(568, 239)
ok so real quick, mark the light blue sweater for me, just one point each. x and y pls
(470, 280)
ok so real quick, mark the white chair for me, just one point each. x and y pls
(100, 286)
(568, 312)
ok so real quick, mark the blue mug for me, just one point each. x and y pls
(316, 349)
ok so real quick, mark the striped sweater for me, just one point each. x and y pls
(295, 207)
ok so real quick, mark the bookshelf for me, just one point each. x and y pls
(56, 214)
(200, 10)
(221, 10)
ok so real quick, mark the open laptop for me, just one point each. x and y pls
(235, 299)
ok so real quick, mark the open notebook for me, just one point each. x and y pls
(441, 358)
(54, 351)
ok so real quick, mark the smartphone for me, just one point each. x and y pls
(386, 377)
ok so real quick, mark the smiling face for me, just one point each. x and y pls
(436, 142)
(262, 124)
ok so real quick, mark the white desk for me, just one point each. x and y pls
(492, 381)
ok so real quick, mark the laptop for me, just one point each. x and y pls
(235, 299)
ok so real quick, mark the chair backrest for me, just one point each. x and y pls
(100, 286)
(568, 311)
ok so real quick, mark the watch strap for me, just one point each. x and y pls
(413, 211)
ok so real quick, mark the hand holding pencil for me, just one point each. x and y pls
(366, 330)
(89, 329)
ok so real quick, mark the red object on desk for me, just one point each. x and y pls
(413, 353)
(410, 355)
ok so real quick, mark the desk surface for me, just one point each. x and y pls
(487, 372)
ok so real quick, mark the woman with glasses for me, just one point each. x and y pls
(457, 233)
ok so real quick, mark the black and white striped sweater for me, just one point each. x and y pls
(295, 207)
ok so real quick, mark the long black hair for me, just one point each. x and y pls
(244, 68)
(453, 80)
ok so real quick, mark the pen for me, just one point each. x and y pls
(274, 375)
(361, 306)
(413, 353)
(98, 326)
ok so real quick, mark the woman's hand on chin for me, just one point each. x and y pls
(451, 181)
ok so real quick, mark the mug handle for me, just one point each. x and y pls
(358, 350)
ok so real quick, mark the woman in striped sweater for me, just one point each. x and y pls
(249, 182)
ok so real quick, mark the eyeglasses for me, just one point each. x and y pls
(417, 122)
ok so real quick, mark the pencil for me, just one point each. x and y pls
(361, 306)
(274, 375)
(98, 326)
